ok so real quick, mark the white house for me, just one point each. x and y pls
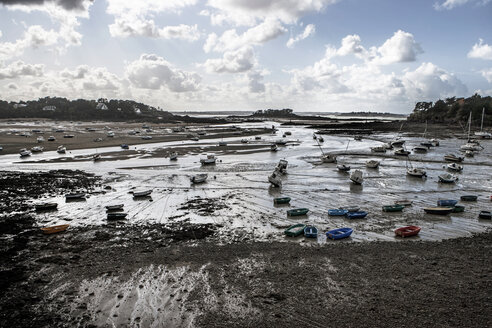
(49, 108)
(101, 106)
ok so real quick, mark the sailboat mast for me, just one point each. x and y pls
(481, 124)
(469, 125)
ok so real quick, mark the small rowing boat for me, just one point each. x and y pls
(468, 198)
(447, 178)
(297, 211)
(438, 210)
(404, 202)
(54, 229)
(46, 207)
(199, 178)
(114, 207)
(407, 231)
(485, 215)
(340, 233)
(281, 200)
(116, 216)
(447, 202)
(295, 230)
(356, 215)
(310, 232)
(337, 212)
(142, 193)
(458, 209)
(75, 195)
(393, 208)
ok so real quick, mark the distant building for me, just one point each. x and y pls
(137, 110)
(50, 108)
(101, 106)
(19, 105)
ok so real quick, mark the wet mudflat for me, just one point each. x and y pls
(214, 254)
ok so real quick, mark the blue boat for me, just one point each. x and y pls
(337, 212)
(446, 202)
(356, 215)
(339, 233)
(311, 232)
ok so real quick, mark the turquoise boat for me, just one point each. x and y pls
(295, 230)
(297, 211)
(281, 200)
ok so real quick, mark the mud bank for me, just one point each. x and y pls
(183, 275)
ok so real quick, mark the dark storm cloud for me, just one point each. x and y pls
(67, 4)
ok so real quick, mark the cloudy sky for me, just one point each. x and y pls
(309, 55)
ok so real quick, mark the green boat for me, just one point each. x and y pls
(281, 200)
(297, 211)
(458, 208)
(393, 208)
(295, 230)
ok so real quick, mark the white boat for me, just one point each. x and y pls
(471, 146)
(282, 166)
(61, 150)
(273, 147)
(142, 193)
(244, 141)
(199, 178)
(455, 167)
(434, 142)
(356, 177)
(328, 158)
(173, 156)
(51, 138)
(343, 167)
(447, 178)
(483, 134)
(372, 164)
(378, 149)
(397, 142)
(209, 160)
(146, 137)
(416, 172)
(110, 134)
(24, 152)
(387, 145)
(469, 153)
(274, 179)
(37, 149)
(40, 139)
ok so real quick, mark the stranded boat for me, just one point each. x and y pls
(485, 215)
(311, 232)
(281, 200)
(469, 198)
(337, 212)
(295, 230)
(356, 177)
(438, 210)
(447, 178)
(356, 215)
(447, 202)
(297, 211)
(340, 233)
(453, 158)
(209, 160)
(199, 178)
(75, 195)
(46, 206)
(54, 229)
(142, 193)
(114, 207)
(372, 164)
(455, 167)
(116, 215)
(393, 208)
(407, 231)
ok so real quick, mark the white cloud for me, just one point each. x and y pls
(134, 18)
(230, 40)
(65, 4)
(91, 78)
(451, 4)
(34, 37)
(351, 45)
(487, 74)
(153, 72)
(481, 51)
(236, 61)
(19, 68)
(429, 82)
(308, 31)
(79, 73)
(401, 47)
(255, 82)
(247, 12)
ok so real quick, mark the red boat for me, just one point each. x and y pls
(407, 231)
